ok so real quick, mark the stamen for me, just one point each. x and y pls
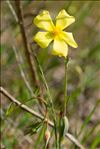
(56, 31)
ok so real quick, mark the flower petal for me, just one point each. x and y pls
(64, 19)
(43, 39)
(69, 39)
(60, 48)
(44, 21)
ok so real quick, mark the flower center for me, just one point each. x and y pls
(56, 31)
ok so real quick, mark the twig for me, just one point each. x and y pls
(12, 10)
(27, 51)
(32, 112)
(22, 106)
(19, 60)
(25, 44)
(19, 19)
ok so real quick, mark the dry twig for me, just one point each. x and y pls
(19, 20)
(32, 112)
(26, 44)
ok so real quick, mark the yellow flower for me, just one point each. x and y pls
(55, 32)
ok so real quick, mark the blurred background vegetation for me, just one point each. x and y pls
(83, 74)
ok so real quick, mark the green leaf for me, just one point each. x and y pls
(23, 121)
(63, 127)
(33, 128)
(89, 133)
(88, 118)
(40, 136)
(2, 47)
(10, 109)
(95, 144)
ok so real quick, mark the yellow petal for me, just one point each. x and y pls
(69, 39)
(64, 19)
(43, 39)
(43, 21)
(60, 48)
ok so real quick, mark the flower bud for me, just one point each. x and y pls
(64, 126)
(47, 137)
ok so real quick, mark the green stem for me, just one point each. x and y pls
(52, 108)
(65, 97)
(65, 86)
(50, 101)
(59, 133)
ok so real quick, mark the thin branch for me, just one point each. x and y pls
(19, 20)
(18, 58)
(18, 103)
(27, 49)
(19, 61)
(12, 10)
(32, 112)
(26, 45)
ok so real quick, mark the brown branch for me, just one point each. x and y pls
(29, 56)
(18, 57)
(32, 112)
(26, 44)
(18, 103)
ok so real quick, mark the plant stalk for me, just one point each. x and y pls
(49, 100)
(65, 86)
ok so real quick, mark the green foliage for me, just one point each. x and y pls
(40, 136)
(88, 118)
(10, 109)
(83, 88)
(2, 49)
(88, 133)
(63, 128)
(10, 143)
(34, 127)
(96, 142)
